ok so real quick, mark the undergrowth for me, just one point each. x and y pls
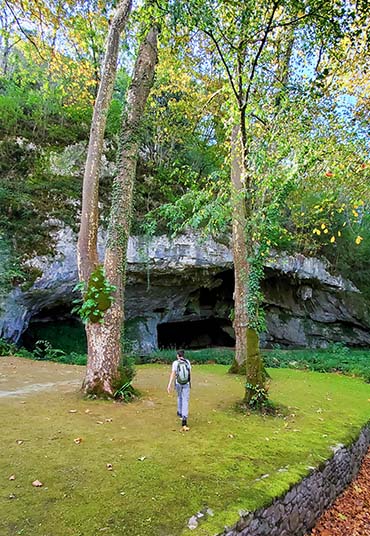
(336, 358)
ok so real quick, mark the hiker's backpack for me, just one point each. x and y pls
(183, 372)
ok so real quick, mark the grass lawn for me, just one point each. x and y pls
(159, 477)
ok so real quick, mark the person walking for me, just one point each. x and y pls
(181, 373)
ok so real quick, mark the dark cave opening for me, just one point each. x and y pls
(195, 334)
(59, 326)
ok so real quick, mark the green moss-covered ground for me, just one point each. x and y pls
(160, 476)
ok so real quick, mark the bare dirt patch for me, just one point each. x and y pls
(20, 377)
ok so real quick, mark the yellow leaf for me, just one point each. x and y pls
(355, 213)
(359, 239)
(323, 226)
(339, 233)
(332, 239)
(326, 231)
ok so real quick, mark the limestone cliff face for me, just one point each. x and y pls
(179, 293)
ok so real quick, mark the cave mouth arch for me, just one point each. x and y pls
(195, 334)
(59, 326)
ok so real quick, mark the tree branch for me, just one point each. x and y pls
(211, 36)
(21, 29)
(259, 52)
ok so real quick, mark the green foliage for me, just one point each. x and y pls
(27, 110)
(220, 356)
(122, 385)
(6, 348)
(206, 210)
(337, 358)
(97, 297)
(259, 396)
(32, 203)
(44, 350)
(67, 335)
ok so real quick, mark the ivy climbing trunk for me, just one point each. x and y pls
(241, 266)
(248, 359)
(105, 340)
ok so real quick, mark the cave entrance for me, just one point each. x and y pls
(58, 326)
(195, 334)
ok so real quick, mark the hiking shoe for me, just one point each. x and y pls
(185, 428)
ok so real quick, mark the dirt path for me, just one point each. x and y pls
(20, 377)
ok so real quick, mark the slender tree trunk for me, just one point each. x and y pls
(104, 340)
(248, 359)
(241, 266)
(87, 254)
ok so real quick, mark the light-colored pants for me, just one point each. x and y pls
(183, 395)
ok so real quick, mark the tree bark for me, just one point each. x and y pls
(241, 265)
(248, 359)
(255, 372)
(87, 254)
(105, 340)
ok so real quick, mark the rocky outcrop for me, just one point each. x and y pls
(179, 293)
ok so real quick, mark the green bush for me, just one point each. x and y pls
(336, 358)
(6, 348)
(221, 356)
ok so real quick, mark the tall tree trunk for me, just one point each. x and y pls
(248, 359)
(104, 340)
(241, 266)
(87, 254)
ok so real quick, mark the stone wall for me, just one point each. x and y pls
(296, 512)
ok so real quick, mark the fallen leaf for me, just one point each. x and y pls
(78, 440)
(19, 441)
(87, 410)
(142, 458)
(99, 422)
(231, 436)
(12, 496)
(37, 484)
(73, 411)
(108, 420)
(109, 467)
(12, 477)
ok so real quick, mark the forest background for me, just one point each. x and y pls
(307, 124)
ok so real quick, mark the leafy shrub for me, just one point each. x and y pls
(6, 348)
(337, 358)
(22, 352)
(124, 389)
(259, 396)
